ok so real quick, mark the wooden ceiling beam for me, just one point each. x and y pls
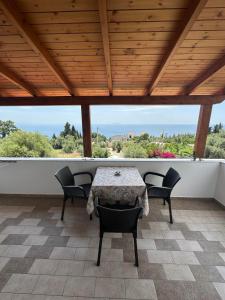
(12, 12)
(192, 14)
(113, 100)
(102, 7)
(11, 76)
(206, 75)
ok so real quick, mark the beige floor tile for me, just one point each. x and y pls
(80, 286)
(110, 287)
(28, 297)
(35, 240)
(3, 262)
(140, 289)
(86, 254)
(50, 285)
(44, 267)
(112, 255)
(184, 257)
(220, 287)
(146, 244)
(20, 283)
(110, 269)
(152, 234)
(222, 254)
(22, 230)
(221, 270)
(2, 237)
(178, 272)
(159, 256)
(63, 253)
(78, 242)
(30, 222)
(173, 235)
(214, 236)
(159, 225)
(68, 267)
(189, 245)
(106, 243)
(15, 251)
(6, 296)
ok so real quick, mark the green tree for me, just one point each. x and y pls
(25, 144)
(6, 127)
(67, 130)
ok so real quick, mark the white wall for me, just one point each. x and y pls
(220, 187)
(36, 176)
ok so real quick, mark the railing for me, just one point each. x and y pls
(200, 179)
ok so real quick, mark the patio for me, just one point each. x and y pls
(44, 257)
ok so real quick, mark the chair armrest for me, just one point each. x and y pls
(84, 173)
(152, 173)
(71, 188)
(160, 191)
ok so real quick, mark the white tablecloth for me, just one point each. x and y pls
(124, 188)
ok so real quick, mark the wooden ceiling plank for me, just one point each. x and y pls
(206, 75)
(30, 36)
(8, 74)
(193, 13)
(102, 6)
(113, 100)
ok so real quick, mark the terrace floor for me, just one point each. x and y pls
(42, 258)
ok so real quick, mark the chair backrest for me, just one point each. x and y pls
(118, 220)
(171, 178)
(65, 176)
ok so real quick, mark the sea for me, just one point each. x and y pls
(110, 130)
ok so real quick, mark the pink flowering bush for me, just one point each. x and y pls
(162, 154)
(167, 155)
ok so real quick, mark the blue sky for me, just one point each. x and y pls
(110, 114)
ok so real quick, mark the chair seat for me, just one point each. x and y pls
(87, 188)
(78, 193)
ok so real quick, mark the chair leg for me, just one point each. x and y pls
(99, 249)
(72, 200)
(135, 250)
(164, 201)
(63, 208)
(170, 210)
(90, 216)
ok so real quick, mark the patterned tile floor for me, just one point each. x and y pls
(42, 258)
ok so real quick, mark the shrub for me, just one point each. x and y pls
(69, 144)
(25, 144)
(133, 150)
(99, 152)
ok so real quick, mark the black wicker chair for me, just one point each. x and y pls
(169, 181)
(118, 220)
(70, 189)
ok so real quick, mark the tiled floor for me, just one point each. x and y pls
(42, 258)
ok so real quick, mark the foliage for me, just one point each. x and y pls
(100, 152)
(70, 130)
(117, 146)
(132, 150)
(25, 144)
(215, 147)
(6, 127)
(68, 145)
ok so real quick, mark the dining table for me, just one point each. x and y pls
(118, 184)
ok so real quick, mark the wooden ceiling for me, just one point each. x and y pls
(114, 47)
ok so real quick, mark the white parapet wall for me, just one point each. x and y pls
(220, 186)
(200, 179)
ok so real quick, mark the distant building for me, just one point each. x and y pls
(119, 138)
